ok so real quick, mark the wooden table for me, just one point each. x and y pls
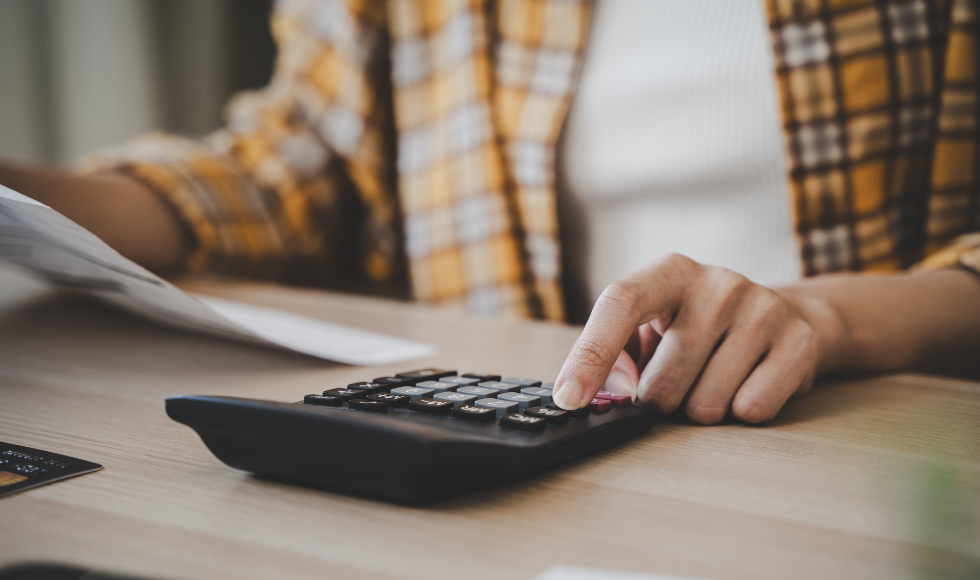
(869, 478)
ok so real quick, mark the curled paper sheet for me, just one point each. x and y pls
(58, 250)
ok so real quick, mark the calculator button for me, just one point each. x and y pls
(583, 412)
(427, 405)
(455, 398)
(425, 374)
(393, 400)
(521, 381)
(501, 407)
(438, 386)
(549, 386)
(368, 405)
(473, 413)
(499, 386)
(523, 422)
(461, 381)
(600, 405)
(521, 399)
(345, 394)
(479, 392)
(367, 387)
(615, 399)
(483, 378)
(394, 382)
(550, 415)
(323, 401)
(545, 394)
(412, 392)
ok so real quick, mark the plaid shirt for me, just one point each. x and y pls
(410, 144)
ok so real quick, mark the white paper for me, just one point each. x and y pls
(60, 251)
(576, 573)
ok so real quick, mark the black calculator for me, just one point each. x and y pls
(415, 437)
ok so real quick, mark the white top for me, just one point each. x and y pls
(674, 141)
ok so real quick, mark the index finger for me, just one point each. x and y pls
(640, 297)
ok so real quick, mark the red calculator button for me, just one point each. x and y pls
(616, 400)
(600, 406)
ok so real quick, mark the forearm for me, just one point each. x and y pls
(866, 322)
(122, 211)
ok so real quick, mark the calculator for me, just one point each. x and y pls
(416, 437)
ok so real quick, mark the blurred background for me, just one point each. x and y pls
(78, 75)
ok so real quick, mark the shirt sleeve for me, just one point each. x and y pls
(963, 252)
(254, 196)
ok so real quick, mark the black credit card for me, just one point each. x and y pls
(23, 468)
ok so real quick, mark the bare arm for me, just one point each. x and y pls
(122, 211)
(682, 334)
(928, 321)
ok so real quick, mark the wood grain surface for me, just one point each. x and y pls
(874, 477)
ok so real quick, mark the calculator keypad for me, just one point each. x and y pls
(483, 377)
(393, 400)
(521, 399)
(616, 400)
(514, 402)
(438, 386)
(345, 394)
(523, 382)
(479, 392)
(502, 407)
(427, 405)
(412, 392)
(369, 405)
(523, 422)
(455, 398)
(323, 401)
(474, 413)
(499, 386)
(544, 394)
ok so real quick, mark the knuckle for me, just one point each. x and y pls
(726, 292)
(769, 310)
(673, 262)
(591, 353)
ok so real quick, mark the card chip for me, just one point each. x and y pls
(7, 478)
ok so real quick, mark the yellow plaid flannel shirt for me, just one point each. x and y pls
(410, 144)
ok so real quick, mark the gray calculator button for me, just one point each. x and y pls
(502, 407)
(438, 386)
(524, 382)
(460, 381)
(521, 399)
(413, 392)
(457, 398)
(549, 386)
(479, 392)
(499, 386)
(545, 394)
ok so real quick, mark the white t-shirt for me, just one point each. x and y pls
(674, 144)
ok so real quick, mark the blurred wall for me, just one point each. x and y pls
(78, 75)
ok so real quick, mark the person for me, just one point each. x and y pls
(409, 148)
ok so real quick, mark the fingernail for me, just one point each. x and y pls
(621, 384)
(569, 396)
